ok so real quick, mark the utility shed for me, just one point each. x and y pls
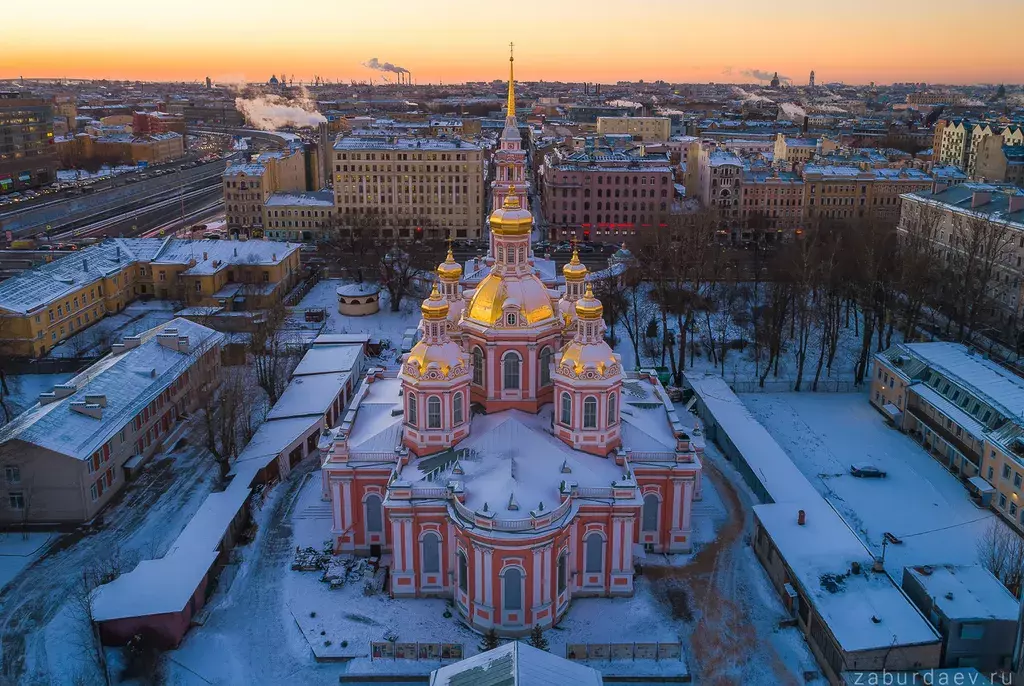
(972, 611)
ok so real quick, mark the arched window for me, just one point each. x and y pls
(545, 367)
(512, 589)
(478, 367)
(650, 513)
(411, 412)
(510, 369)
(565, 416)
(510, 319)
(463, 572)
(613, 414)
(457, 409)
(374, 514)
(431, 553)
(594, 545)
(590, 413)
(433, 412)
(562, 572)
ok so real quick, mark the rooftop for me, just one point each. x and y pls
(515, 664)
(961, 198)
(308, 199)
(398, 143)
(966, 592)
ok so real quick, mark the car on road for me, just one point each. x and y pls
(863, 470)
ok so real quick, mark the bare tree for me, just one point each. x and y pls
(638, 310)
(980, 250)
(920, 263)
(1001, 551)
(228, 412)
(273, 349)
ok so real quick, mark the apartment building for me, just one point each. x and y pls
(955, 145)
(997, 161)
(68, 455)
(247, 187)
(122, 148)
(801, 150)
(606, 195)
(410, 187)
(771, 205)
(298, 216)
(646, 129)
(965, 410)
(44, 306)
(1000, 204)
(716, 177)
(27, 156)
(854, 193)
(1011, 134)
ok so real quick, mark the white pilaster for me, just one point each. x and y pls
(478, 576)
(488, 578)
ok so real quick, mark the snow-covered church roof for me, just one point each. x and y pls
(515, 664)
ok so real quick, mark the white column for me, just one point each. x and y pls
(346, 494)
(396, 544)
(339, 520)
(687, 503)
(407, 528)
(546, 566)
(489, 577)
(574, 542)
(538, 572)
(677, 497)
(627, 546)
(478, 575)
(616, 544)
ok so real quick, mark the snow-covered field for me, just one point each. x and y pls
(19, 550)
(918, 501)
(135, 318)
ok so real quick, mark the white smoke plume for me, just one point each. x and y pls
(764, 75)
(747, 96)
(790, 110)
(269, 112)
(376, 64)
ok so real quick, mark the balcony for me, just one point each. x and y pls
(945, 434)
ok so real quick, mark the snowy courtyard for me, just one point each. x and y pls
(918, 501)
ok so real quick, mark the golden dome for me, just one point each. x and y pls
(446, 357)
(449, 269)
(589, 307)
(494, 292)
(511, 219)
(581, 358)
(434, 307)
(574, 270)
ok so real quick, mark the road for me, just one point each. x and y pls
(148, 516)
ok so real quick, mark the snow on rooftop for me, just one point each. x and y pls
(354, 290)
(515, 664)
(966, 592)
(398, 143)
(310, 395)
(864, 611)
(308, 199)
(128, 380)
(270, 440)
(154, 587)
(322, 359)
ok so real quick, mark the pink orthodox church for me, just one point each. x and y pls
(511, 465)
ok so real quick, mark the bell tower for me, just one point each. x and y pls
(510, 158)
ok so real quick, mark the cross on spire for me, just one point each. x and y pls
(511, 82)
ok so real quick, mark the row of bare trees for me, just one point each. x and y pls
(687, 293)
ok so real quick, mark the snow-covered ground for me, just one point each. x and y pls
(70, 175)
(19, 550)
(918, 501)
(135, 318)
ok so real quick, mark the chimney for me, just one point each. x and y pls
(801, 517)
(131, 342)
(117, 253)
(88, 409)
(939, 186)
(85, 265)
(96, 399)
(59, 391)
(206, 256)
(979, 198)
(1015, 203)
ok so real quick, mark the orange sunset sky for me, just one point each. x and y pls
(570, 40)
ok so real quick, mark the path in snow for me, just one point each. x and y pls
(146, 519)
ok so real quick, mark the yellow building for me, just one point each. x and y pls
(802, 150)
(248, 186)
(44, 306)
(851, 193)
(408, 183)
(298, 216)
(647, 129)
(125, 148)
(965, 410)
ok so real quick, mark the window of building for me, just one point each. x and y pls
(972, 632)
(545, 367)
(594, 553)
(565, 416)
(16, 500)
(463, 572)
(563, 565)
(411, 411)
(431, 553)
(374, 514)
(613, 415)
(650, 513)
(478, 367)
(433, 412)
(590, 413)
(1006, 471)
(12, 474)
(1002, 501)
(457, 409)
(510, 366)
(512, 589)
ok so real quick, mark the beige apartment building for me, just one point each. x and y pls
(248, 186)
(997, 161)
(1011, 134)
(298, 216)
(1000, 204)
(802, 150)
(852, 193)
(965, 410)
(410, 187)
(65, 458)
(44, 306)
(646, 129)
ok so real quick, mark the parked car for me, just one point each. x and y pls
(866, 471)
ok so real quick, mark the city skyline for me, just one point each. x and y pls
(443, 42)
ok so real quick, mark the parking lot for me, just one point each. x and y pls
(918, 501)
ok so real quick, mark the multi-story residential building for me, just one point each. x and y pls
(123, 148)
(646, 129)
(248, 186)
(997, 161)
(1002, 205)
(42, 307)
(854, 193)
(801, 150)
(771, 205)
(27, 156)
(715, 177)
(298, 216)
(966, 410)
(955, 145)
(989, 133)
(68, 455)
(604, 195)
(147, 123)
(410, 186)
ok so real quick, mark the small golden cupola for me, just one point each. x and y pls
(575, 273)
(449, 274)
(435, 384)
(588, 383)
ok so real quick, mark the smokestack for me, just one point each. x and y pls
(801, 517)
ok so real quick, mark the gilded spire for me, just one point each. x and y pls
(511, 83)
